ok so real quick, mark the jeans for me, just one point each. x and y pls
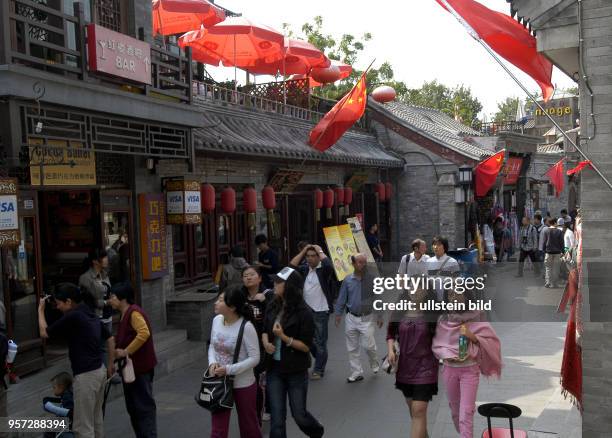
(245, 400)
(534, 261)
(319, 344)
(461, 387)
(141, 406)
(294, 385)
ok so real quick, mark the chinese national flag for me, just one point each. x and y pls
(340, 118)
(508, 38)
(557, 176)
(486, 173)
(579, 167)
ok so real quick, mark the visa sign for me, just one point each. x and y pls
(174, 202)
(193, 203)
(8, 213)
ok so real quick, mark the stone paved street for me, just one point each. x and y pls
(374, 408)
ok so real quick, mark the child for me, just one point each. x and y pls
(62, 404)
(461, 375)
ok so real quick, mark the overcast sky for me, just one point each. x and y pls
(420, 40)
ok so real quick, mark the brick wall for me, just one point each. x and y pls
(597, 212)
(425, 200)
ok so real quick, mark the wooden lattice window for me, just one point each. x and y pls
(109, 14)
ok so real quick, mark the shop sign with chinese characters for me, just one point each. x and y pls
(184, 203)
(117, 54)
(9, 218)
(62, 163)
(512, 170)
(153, 242)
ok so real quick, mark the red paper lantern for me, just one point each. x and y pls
(208, 198)
(268, 198)
(325, 75)
(339, 192)
(383, 94)
(348, 199)
(380, 189)
(249, 199)
(228, 200)
(328, 202)
(318, 196)
(388, 191)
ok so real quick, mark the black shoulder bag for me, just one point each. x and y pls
(217, 392)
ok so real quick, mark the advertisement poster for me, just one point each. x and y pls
(340, 250)
(359, 237)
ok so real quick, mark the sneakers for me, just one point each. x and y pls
(376, 368)
(354, 379)
(316, 376)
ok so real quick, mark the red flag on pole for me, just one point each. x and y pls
(579, 167)
(486, 173)
(557, 176)
(507, 37)
(340, 118)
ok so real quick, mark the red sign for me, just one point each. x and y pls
(117, 54)
(359, 217)
(512, 169)
(153, 244)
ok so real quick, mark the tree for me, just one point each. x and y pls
(506, 110)
(457, 102)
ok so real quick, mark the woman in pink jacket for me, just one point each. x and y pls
(461, 371)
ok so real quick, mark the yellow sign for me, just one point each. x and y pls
(554, 111)
(360, 239)
(63, 163)
(341, 246)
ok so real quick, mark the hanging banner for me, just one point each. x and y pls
(356, 227)
(9, 218)
(340, 246)
(512, 170)
(62, 163)
(153, 242)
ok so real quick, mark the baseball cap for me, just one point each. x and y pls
(283, 274)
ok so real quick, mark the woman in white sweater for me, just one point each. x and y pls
(232, 309)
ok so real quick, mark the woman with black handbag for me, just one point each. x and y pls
(288, 334)
(232, 332)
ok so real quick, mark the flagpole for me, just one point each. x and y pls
(335, 114)
(475, 35)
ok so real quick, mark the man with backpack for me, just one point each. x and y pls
(528, 238)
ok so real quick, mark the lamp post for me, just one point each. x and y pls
(462, 194)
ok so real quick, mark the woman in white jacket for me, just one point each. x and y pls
(232, 309)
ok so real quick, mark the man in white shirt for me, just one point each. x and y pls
(441, 266)
(319, 294)
(415, 263)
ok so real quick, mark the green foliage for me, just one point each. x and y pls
(506, 110)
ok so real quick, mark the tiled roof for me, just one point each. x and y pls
(434, 125)
(278, 137)
(550, 149)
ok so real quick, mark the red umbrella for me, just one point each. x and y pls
(171, 17)
(299, 58)
(199, 52)
(241, 43)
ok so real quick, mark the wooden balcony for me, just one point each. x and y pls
(47, 39)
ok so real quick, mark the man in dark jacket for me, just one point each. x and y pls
(319, 294)
(553, 247)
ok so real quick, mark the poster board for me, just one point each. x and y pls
(341, 247)
(359, 237)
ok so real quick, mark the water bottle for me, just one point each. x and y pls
(12, 351)
(463, 343)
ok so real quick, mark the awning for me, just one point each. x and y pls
(259, 135)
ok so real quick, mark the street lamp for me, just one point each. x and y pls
(461, 194)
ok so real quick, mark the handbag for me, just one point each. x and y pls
(126, 370)
(386, 365)
(217, 392)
